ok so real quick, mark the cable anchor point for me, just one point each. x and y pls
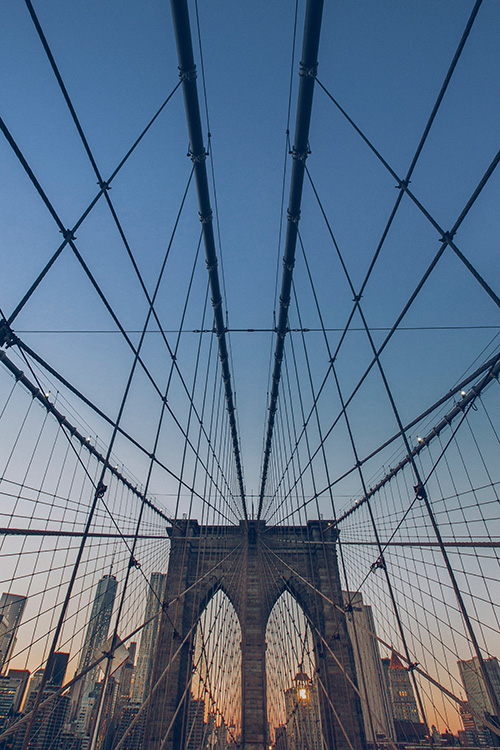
(188, 75)
(308, 71)
(379, 563)
(68, 235)
(205, 218)
(447, 237)
(293, 219)
(300, 156)
(101, 490)
(7, 338)
(402, 184)
(420, 492)
(198, 158)
(134, 563)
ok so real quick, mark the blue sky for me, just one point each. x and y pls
(383, 61)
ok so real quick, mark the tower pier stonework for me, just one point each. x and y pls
(253, 565)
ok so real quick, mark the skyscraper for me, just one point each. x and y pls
(49, 720)
(11, 608)
(474, 685)
(404, 705)
(375, 700)
(96, 635)
(195, 730)
(56, 668)
(148, 638)
(12, 688)
(478, 698)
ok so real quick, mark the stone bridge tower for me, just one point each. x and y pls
(269, 561)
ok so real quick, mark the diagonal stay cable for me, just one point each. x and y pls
(403, 187)
(307, 72)
(403, 184)
(105, 186)
(445, 241)
(446, 237)
(198, 155)
(7, 336)
(40, 396)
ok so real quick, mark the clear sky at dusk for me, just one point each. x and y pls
(384, 62)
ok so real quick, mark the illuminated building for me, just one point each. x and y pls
(303, 724)
(12, 689)
(404, 705)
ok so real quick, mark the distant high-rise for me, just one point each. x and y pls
(148, 638)
(478, 699)
(96, 635)
(12, 690)
(56, 668)
(375, 700)
(100, 617)
(11, 608)
(23, 675)
(303, 724)
(125, 673)
(404, 705)
(196, 726)
(474, 685)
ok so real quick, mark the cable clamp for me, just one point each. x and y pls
(447, 237)
(379, 563)
(420, 492)
(101, 490)
(104, 185)
(205, 218)
(413, 665)
(7, 338)
(348, 607)
(300, 156)
(357, 297)
(211, 266)
(288, 266)
(294, 219)
(402, 184)
(133, 563)
(308, 72)
(188, 75)
(285, 302)
(198, 158)
(68, 235)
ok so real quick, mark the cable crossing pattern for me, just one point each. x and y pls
(313, 564)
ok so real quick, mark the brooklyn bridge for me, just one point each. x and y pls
(249, 362)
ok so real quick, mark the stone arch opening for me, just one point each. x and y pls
(293, 707)
(215, 696)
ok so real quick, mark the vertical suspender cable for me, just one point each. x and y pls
(198, 154)
(307, 72)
